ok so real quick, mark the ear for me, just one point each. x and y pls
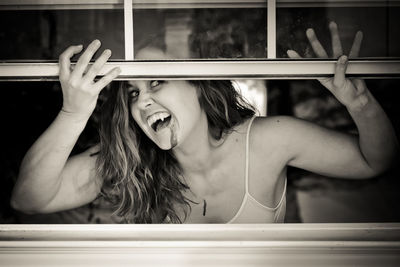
(199, 92)
(197, 86)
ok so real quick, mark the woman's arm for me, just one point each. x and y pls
(46, 173)
(308, 146)
(377, 139)
(336, 154)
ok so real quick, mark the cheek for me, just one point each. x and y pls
(134, 113)
(191, 110)
(193, 105)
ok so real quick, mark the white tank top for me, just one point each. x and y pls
(251, 210)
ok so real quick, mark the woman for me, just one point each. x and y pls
(192, 151)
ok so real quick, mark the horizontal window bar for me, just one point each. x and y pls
(336, 3)
(162, 4)
(203, 232)
(60, 4)
(212, 69)
(137, 4)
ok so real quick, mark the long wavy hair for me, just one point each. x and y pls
(144, 182)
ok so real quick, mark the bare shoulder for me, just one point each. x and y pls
(269, 154)
(274, 133)
(82, 169)
(279, 134)
(274, 130)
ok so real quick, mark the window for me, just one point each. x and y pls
(243, 40)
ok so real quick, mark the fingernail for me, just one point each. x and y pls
(332, 24)
(107, 52)
(97, 42)
(343, 59)
(290, 52)
(309, 31)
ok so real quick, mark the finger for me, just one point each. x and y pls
(293, 54)
(360, 85)
(316, 45)
(106, 79)
(340, 72)
(98, 64)
(336, 43)
(355, 48)
(84, 60)
(65, 59)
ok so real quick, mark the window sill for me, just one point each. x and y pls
(366, 244)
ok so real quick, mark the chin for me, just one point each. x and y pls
(165, 146)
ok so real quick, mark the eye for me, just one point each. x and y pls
(154, 83)
(133, 94)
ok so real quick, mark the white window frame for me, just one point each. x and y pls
(195, 245)
(270, 68)
(211, 69)
(372, 244)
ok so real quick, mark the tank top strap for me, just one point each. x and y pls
(247, 154)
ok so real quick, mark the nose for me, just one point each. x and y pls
(145, 100)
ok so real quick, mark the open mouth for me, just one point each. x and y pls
(159, 121)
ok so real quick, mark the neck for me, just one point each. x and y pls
(197, 154)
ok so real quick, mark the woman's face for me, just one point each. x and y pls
(166, 111)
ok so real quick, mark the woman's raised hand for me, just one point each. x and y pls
(350, 92)
(80, 91)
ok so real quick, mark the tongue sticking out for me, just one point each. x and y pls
(173, 137)
(167, 123)
(162, 124)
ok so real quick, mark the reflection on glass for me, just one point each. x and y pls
(379, 25)
(45, 34)
(202, 33)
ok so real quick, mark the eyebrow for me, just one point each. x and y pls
(131, 87)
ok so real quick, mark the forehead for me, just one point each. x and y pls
(147, 53)
(136, 84)
(145, 84)
(151, 53)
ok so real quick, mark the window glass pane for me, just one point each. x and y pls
(379, 25)
(44, 34)
(201, 32)
(28, 108)
(331, 200)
